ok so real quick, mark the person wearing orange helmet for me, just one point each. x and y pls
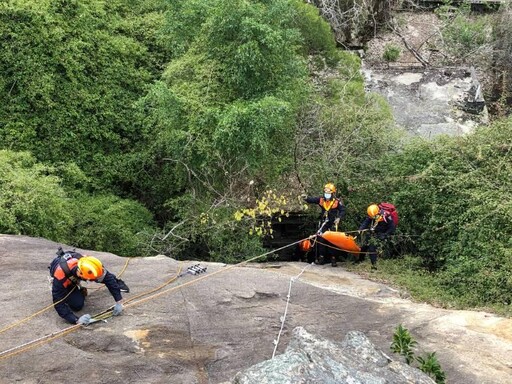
(68, 270)
(332, 211)
(381, 226)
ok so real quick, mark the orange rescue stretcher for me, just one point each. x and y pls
(340, 240)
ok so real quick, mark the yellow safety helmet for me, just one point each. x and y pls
(89, 268)
(373, 210)
(330, 188)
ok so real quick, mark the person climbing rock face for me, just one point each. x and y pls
(68, 270)
(332, 211)
(380, 225)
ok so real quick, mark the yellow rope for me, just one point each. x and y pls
(19, 322)
(124, 267)
(101, 316)
(34, 343)
(31, 344)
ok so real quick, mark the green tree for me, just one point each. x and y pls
(455, 200)
(233, 88)
(70, 72)
(32, 202)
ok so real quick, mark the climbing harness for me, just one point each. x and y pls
(24, 320)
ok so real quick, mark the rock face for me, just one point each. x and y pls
(429, 94)
(309, 359)
(431, 102)
(204, 329)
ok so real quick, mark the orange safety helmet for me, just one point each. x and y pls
(305, 245)
(89, 268)
(331, 187)
(373, 210)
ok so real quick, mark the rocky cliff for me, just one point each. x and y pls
(210, 327)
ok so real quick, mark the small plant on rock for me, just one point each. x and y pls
(391, 53)
(430, 365)
(403, 343)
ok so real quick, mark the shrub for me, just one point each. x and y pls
(461, 33)
(454, 197)
(391, 53)
(204, 233)
(109, 223)
(32, 202)
(403, 344)
(430, 365)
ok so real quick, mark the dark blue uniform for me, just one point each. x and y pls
(63, 285)
(332, 209)
(381, 230)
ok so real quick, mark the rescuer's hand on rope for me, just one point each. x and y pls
(84, 320)
(118, 308)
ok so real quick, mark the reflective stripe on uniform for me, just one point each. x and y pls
(325, 204)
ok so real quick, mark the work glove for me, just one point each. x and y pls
(84, 320)
(118, 308)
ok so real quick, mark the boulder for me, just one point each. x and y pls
(312, 359)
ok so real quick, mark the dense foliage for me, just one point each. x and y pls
(33, 202)
(224, 94)
(70, 73)
(206, 115)
(455, 197)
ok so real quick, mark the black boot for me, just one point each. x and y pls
(122, 286)
(320, 260)
(333, 261)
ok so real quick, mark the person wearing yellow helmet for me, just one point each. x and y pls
(332, 211)
(381, 224)
(68, 270)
